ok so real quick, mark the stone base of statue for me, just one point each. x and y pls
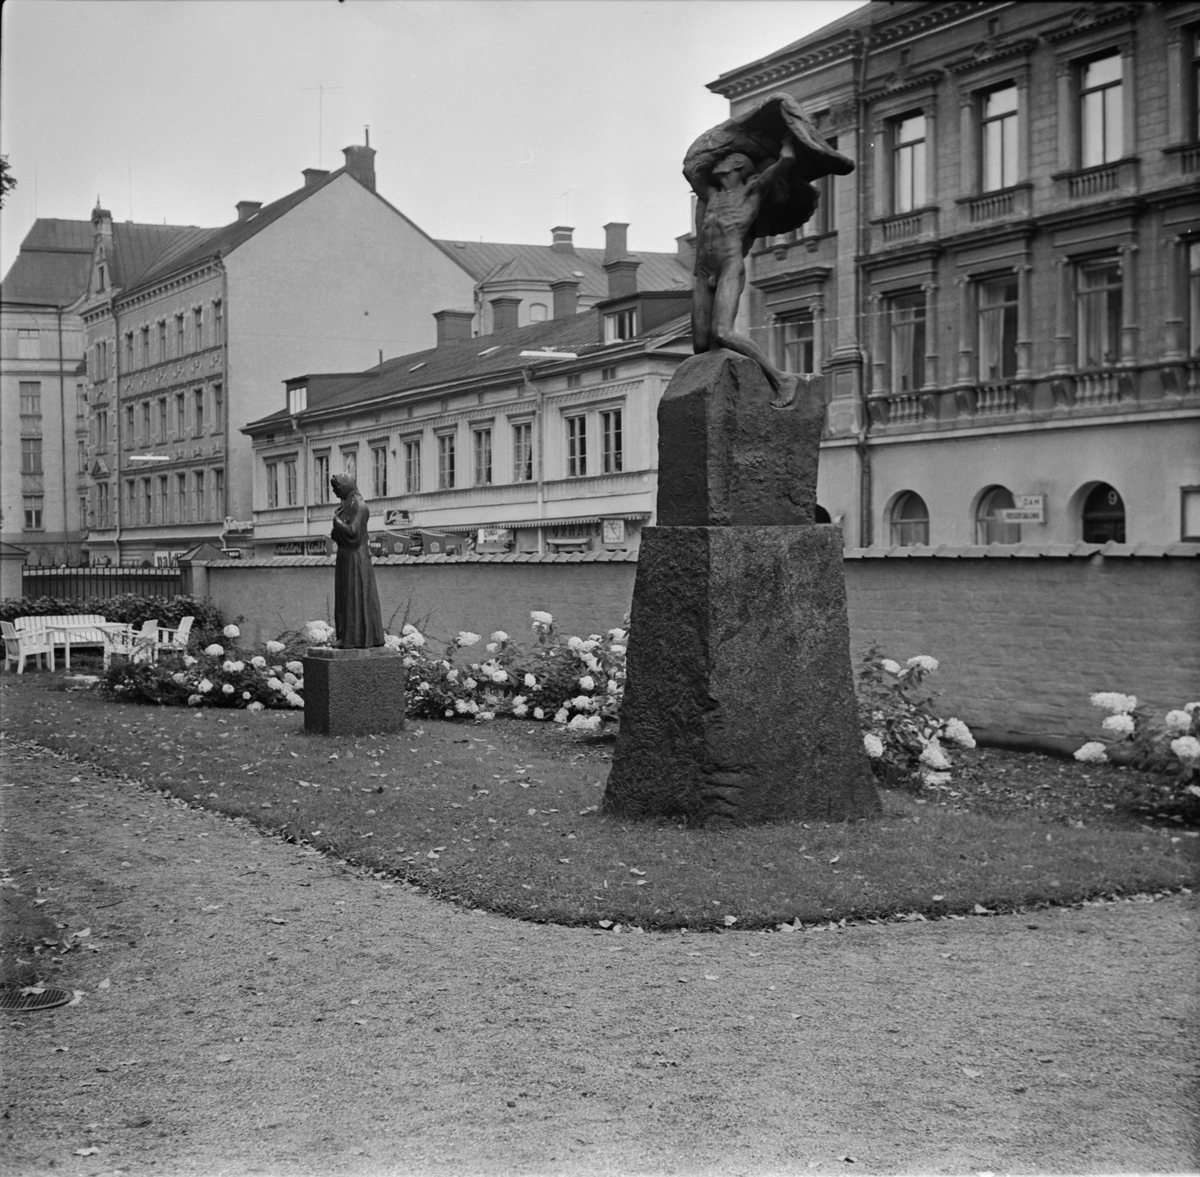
(353, 692)
(739, 702)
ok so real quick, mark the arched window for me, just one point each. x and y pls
(989, 527)
(909, 520)
(537, 312)
(1103, 516)
(821, 515)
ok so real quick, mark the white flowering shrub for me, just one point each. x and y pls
(904, 738)
(1169, 746)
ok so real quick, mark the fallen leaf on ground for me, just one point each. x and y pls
(971, 1073)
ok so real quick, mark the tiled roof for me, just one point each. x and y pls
(488, 355)
(1026, 551)
(137, 246)
(621, 556)
(494, 262)
(52, 266)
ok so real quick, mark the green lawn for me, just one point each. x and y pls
(503, 816)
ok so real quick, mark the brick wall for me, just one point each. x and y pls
(1022, 641)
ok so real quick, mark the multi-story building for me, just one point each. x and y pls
(1004, 296)
(187, 343)
(539, 438)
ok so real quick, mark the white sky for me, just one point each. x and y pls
(492, 119)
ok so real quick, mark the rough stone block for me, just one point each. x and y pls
(353, 692)
(726, 457)
(739, 703)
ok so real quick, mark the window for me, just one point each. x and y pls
(218, 408)
(1103, 516)
(574, 380)
(198, 399)
(998, 132)
(81, 505)
(906, 315)
(128, 350)
(412, 466)
(100, 277)
(795, 338)
(481, 440)
(102, 429)
(272, 485)
(181, 511)
(289, 482)
(620, 325)
(379, 483)
(445, 461)
(998, 329)
(576, 447)
(162, 418)
(218, 322)
(297, 399)
(1100, 126)
(130, 425)
(1098, 305)
(162, 506)
(608, 373)
(350, 463)
(80, 400)
(130, 502)
(198, 327)
(321, 489)
(909, 521)
(198, 485)
(522, 435)
(180, 414)
(219, 492)
(162, 340)
(1194, 294)
(537, 312)
(908, 163)
(145, 422)
(180, 339)
(29, 344)
(81, 456)
(31, 455)
(31, 398)
(101, 355)
(33, 512)
(990, 527)
(103, 505)
(1194, 129)
(612, 452)
(147, 502)
(1189, 513)
(145, 345)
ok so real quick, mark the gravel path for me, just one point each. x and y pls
(269, 1011)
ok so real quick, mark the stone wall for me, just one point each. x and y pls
(1023, 636)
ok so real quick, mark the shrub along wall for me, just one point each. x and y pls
(1024, 635)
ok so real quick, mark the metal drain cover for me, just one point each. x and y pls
(30, 997)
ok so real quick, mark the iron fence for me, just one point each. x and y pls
(81, 584)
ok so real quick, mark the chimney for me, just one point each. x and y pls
(313, 176)
(566, 297)
(504, 312)
(614, 240)
(360, 163)
(453, 326)
(685, 250)
(561, 239)
(247, 208)
(622, 276)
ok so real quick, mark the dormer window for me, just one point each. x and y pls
(620, 325)
(297, 399)
(100, 277)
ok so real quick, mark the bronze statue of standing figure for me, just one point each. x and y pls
(357, 620)
(751, 178)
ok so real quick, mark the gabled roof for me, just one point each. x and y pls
(52, 266)
(136, 246)
(489, 262)
(493, 355)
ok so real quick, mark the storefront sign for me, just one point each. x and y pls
(301, 547)
(394, 518)
(1027, 509)
(232, 524)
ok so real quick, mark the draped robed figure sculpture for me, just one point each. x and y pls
(357, 619)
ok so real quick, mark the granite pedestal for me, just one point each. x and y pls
(739, 703)
(353, 692)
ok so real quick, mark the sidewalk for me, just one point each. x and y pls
(271, 1012)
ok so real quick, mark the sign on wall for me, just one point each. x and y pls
(1027, 509)
(301, 547)
(394, 518)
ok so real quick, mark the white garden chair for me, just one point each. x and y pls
(175, 639)
(20, 644)
(138, 645)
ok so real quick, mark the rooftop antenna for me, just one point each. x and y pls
(320, 88)
(131, 188)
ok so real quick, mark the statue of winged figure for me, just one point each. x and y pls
(752, 178)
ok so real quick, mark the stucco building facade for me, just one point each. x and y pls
(1005, 295)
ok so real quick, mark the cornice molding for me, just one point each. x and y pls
(1090, 17)
(989, 52)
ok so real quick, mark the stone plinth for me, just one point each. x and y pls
(726, 457)
(353, 692)
(739, 704)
